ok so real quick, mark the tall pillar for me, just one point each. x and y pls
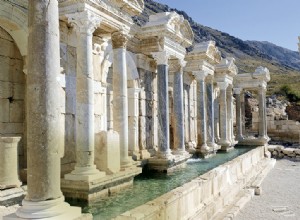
(178, 110)
(84, 24)
(120, 100)
(210, 113)
(243, 113)
(238, 93)
(224, 129)
(133, 120)
(201, 113)
(262, 113)
(164, 150)
(44, 198)
(217, 114)
(230, 114)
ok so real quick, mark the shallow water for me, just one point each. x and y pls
(149, 186)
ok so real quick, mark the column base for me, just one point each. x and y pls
(167, 165)
(85, 174)
(12, 196)
(205, 151)
(49, 210)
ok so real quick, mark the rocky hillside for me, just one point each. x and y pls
(283, 64)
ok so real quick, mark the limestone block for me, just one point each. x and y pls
(6, 47)
(16, 111)
(4, 110)
(107, 151)
(9, 158)
(70, 94)
(70, 151)
(133, 107)
(17, 74)
(5, 68)
(142, 132)
(5, 90)
(18, 91)
(11, 128)
(133, 137)
(142, 108)
(72, 61)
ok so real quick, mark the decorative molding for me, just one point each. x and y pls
(84, 22)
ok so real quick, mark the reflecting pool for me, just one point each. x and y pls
(148, 186)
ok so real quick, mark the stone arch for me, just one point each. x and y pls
(12, 93)
(14, 19)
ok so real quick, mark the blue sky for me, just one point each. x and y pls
(276, 21)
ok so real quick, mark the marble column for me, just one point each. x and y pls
(84, 24)
(224, 129)
(238, 93)
(201, 113)
(243, 113)
(262, 113)
(9, 177)
(230, 114)
(133, 120)
(164, 151)
(120, 100)
(210, 113)
(178, 110)
(44, 198)
(217, 114)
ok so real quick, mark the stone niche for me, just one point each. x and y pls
(12, 93)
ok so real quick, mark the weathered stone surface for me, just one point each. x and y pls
(107, 152)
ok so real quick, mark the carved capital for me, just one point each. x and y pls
(176, 65)
(119, 39)
(84, 22)
(223, 85)
(161, 58)
(237, 91)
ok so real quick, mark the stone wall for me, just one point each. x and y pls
(12, 92)
(278, 151)
(206, 196)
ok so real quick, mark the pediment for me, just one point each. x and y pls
(170, 23)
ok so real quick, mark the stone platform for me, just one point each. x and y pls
(100, 188)
(9, 197)
(167, 165)
(212, 195)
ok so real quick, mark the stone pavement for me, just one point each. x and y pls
(280, 197)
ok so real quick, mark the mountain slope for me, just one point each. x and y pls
(283, 64)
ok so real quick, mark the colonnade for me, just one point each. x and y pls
(203, 111)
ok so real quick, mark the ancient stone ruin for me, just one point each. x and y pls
(87, 99)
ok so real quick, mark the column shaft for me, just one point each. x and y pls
(120, 102)
(262, 113)
(239, 115)
(230, 114)
(43, 112)
(163, 111)
(202, 117)
(210, 114)
(224, 114)
(178, 111)
(84, 102)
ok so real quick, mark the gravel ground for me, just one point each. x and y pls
(7, 210)
(280, 197)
